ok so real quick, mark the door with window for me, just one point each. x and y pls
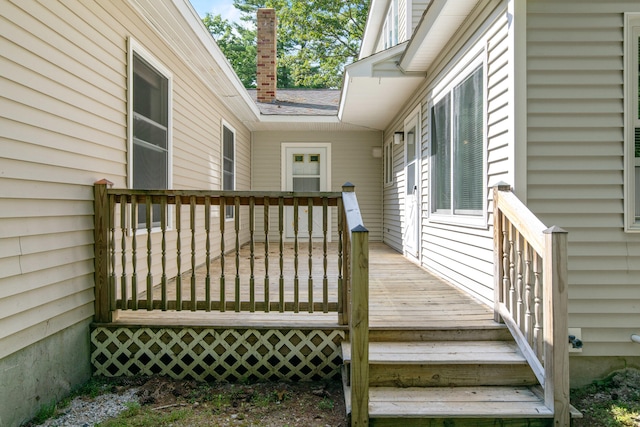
(306, 168)
(411, 225)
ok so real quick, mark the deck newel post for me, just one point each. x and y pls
(347, 188)
(102, 220)
(498, 249)
(359, 326)
(556, 352)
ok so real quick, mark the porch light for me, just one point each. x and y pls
(398, 137)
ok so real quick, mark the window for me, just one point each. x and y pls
(632, 134)
(387, 163)
(390, 26)
(150, 130)
(228, 165)
(457, 143)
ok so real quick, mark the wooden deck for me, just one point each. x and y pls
(402, 296)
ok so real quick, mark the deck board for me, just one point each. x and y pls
(402, 296)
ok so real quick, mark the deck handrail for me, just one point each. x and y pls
(356, 298)
(132, 247)
(530, 273)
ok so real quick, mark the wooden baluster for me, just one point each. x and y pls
(519, 315)
(207, 229)
(266, 255)
(506, 283)
(281, 231)
(236, 216)
(163, 228)
(296, 282)
(134, 253)
(512, 272)
(113, 277)
(528, 331)
(223, 214)
(537, 307)
(178, 254)
(325, 279)
(192, 224)
(149, 223)
(252, 256)
(123, 247)
(310, 229)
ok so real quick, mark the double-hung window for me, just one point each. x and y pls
(150, 146)
(632, 134)
(457, 147)
(228, 165)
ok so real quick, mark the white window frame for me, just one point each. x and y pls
(136, 48)
(631, 107)
(456, 75)
(387, 162)
(229, 213)
(390, 26)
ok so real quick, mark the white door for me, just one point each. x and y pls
(306, 168)
(411, 225)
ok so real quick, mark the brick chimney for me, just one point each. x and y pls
(266, 78)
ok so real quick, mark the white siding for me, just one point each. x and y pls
(352, 161)
(463, 255)
(63, 127)
(575, 163)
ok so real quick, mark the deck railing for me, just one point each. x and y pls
(531, 294)
(185, 250)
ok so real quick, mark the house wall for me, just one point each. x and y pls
(63, 126)
(575, 58)
(461, 254)
(351, 161)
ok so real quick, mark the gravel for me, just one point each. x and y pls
(83, 412)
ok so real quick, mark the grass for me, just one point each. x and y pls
(612, 402)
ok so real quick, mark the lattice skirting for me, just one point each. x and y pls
(208, 354)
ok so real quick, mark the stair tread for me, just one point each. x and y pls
(466, 402)
(440, 352)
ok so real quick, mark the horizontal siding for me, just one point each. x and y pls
(352, 161)
(63, 126)
(575, 57)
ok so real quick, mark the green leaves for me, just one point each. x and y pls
(316, 39)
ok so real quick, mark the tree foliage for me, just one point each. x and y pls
(316, 39)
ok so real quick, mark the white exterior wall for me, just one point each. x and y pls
(461, 254)
(352, 161)
(575, 166)
(63, 126)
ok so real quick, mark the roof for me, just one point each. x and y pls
(300, 102)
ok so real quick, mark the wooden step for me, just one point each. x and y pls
(493, 332)
(444, 363)
(412, 406)
(440, 352)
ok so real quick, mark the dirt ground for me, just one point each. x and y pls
(259, 404)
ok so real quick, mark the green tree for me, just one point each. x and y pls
(237, 43)
(316, 39)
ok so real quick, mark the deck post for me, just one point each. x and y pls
(498, 249)
(344, 297)
(556, 352)
(102, 221)
(359, 326)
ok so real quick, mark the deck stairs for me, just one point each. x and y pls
(449, 377)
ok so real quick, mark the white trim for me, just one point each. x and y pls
(414, 119)
(134, 46)
(474, 59)
(517, 10)
(632, 20)
(224, 124)
(307, 145)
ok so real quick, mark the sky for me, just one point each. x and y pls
(215, 7)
